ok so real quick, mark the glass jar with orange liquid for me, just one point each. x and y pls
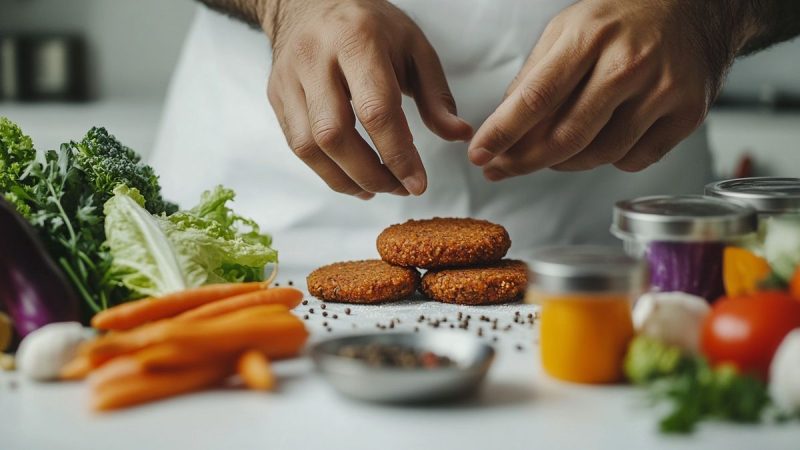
(586, 294)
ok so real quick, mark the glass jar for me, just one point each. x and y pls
(586, 294)
(682, 238)
(769, 196)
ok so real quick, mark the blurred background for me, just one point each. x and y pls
(66, 65)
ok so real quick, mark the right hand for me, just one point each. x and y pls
(327, 53)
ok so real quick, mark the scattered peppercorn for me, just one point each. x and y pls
(323, 306)
(347, 311)
(305, 317)
(335, 316)
(324, 313)
(311, 310)
(305, 302)
(291, 283)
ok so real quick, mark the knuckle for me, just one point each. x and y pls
(536, 97)
(327, 133)
(375, 112)
(303, 147)
(568, 138)
(627, 68)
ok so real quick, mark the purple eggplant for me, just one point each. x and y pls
(32, 287)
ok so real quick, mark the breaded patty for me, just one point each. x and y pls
(368, 281)
(443, 242)
(486, 285)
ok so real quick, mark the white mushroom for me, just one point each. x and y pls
(43, 353)
(673, 318)
(784, 374)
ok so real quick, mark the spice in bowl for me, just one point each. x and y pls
(395, 356)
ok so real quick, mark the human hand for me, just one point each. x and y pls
(328, 53)
(609, 82)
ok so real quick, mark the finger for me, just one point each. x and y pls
(543, 46)
(433, 97)
(333, 129)
(293, 118)
(377, 102)
(662, 137)
(538, 95)
(627, 126)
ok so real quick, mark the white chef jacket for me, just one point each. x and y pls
(218, 128)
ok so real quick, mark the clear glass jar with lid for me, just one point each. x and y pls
(769, 196)
(682, 238)
(586, 294)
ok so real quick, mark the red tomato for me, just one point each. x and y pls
(746, 331)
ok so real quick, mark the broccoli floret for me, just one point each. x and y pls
(107, 164)
(648, 359)
(16, 154)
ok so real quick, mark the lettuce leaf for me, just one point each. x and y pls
(230, 247)
(782, 245)
(144, 258)
(157, 254)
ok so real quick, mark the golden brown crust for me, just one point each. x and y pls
(443, 242)
(367, 281)
(498, 283)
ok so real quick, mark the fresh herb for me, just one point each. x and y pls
(697, 391)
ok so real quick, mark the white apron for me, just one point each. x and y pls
(218, 128)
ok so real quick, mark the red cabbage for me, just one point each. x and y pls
(691, 267)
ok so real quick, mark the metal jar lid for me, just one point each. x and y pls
(682, 218)
(768, 195)
(586, 269)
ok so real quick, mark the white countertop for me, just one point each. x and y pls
(518, 408)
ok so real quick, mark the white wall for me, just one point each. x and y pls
(134, 44)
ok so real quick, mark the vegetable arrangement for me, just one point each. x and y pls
(738, 360)
(161, 347)
(89, 222)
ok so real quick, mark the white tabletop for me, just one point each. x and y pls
(518, 408)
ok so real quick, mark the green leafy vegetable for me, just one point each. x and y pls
(144, 259)
(155, 255)
(696, 391)
(648, 359)
(107, 163)
(62, 196)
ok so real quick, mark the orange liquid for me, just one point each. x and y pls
(584, 338)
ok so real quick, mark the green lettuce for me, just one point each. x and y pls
(144, 259)
(782, 245)
(157, 254)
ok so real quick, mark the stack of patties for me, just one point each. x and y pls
(463, 259)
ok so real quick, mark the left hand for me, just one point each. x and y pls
(610, 82)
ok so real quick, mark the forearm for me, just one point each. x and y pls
(262, 14)
(770, 22)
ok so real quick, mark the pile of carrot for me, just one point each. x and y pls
(160, 347)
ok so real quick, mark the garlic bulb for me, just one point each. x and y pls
(672, 318)
(43, 352)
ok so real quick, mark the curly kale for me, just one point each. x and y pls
(62, 196)
(107, 164)
(16, 154)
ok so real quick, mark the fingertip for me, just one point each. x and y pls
(415, 184)
(480, 156)
(494, 174)
(364, 195)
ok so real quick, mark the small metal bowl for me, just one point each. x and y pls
(357, 379)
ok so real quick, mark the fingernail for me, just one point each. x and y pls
(414, 184)
(365, 195)
(494, 174)
(480, 156)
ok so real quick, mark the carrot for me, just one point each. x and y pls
(259, 326)
(254, 368)
(77, 369)
(132, 314)
(794, 285)
(288, 297)
(137, 388)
